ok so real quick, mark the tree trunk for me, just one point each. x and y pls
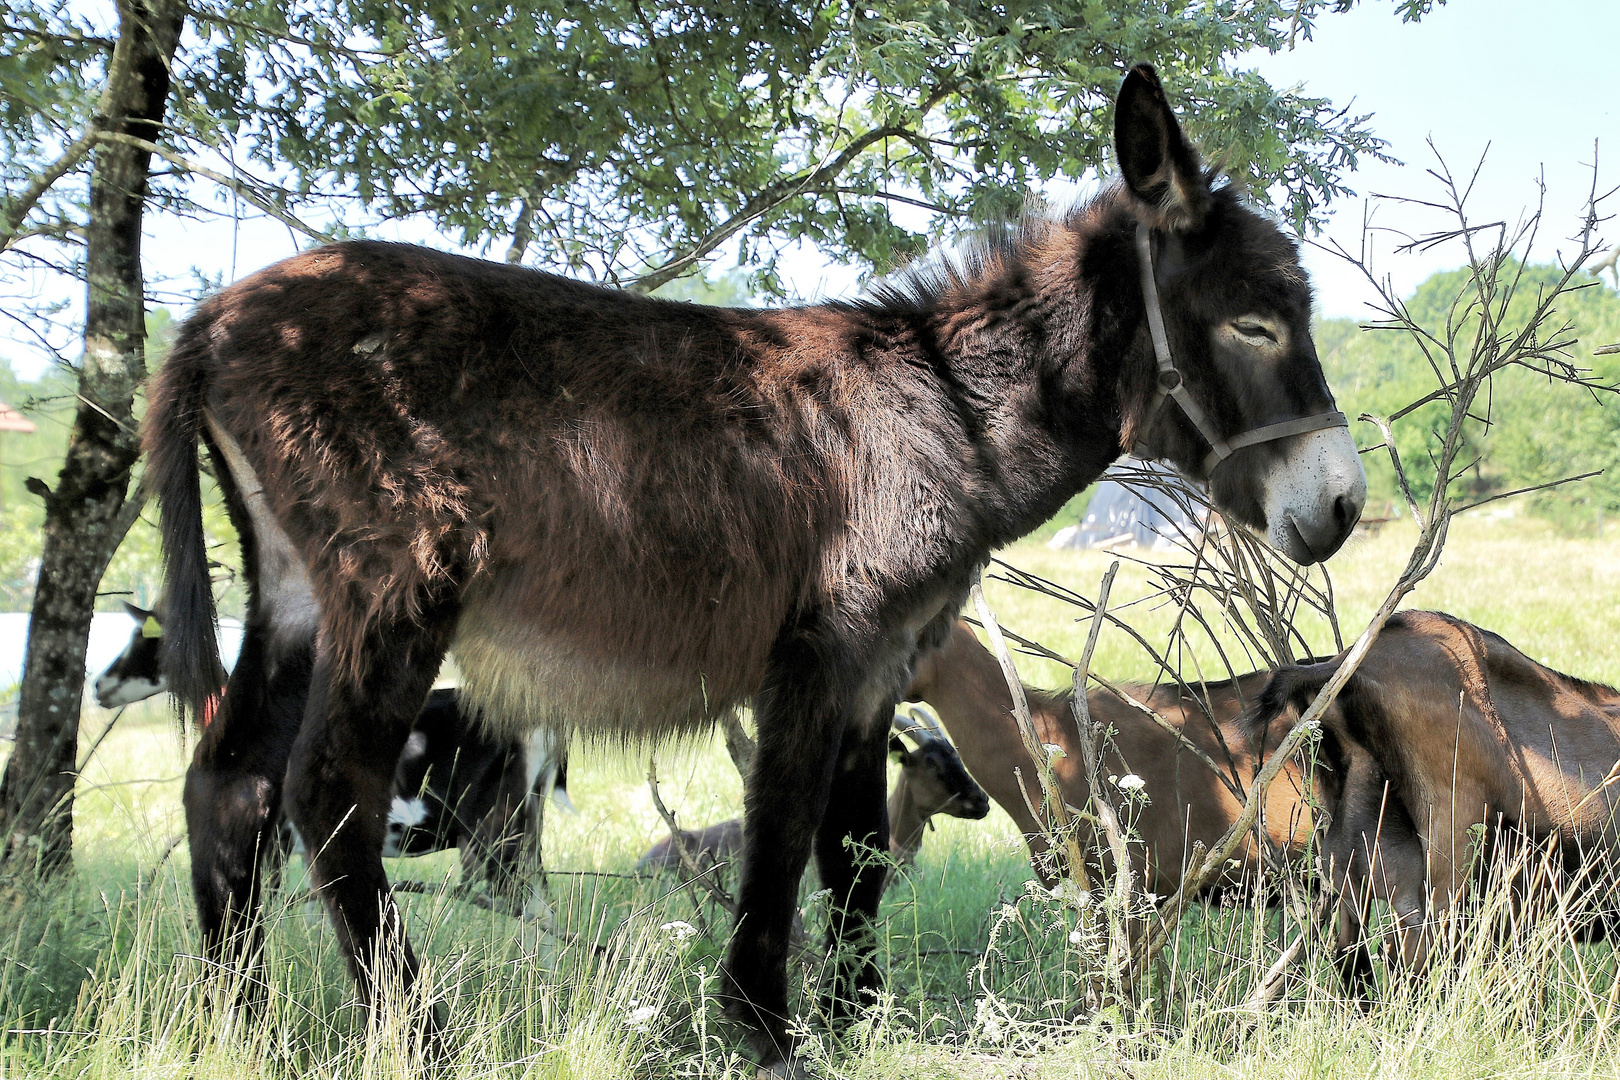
(83, 523)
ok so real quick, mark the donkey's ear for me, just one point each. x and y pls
(1161, 168)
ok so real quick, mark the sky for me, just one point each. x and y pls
(1535, 82)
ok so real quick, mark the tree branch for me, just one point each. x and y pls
(763, 203)
(10, 228)
(247, 191)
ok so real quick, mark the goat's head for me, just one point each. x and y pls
(135, 675)
(939, 782)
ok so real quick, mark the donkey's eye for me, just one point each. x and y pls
(1256, 331)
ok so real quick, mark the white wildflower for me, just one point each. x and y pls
(812, 900)
(1131, 782)
(640, 1016)
(989, 1023)
(678, 930)
(1054, 751)
(1076, 937)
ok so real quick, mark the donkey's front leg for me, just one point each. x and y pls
(801, 719)
(852, 848)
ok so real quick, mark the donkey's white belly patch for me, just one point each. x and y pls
(519, 679)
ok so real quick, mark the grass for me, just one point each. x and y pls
(99, 974)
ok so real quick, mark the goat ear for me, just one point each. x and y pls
(139, 614)
(898, 749)
(1161, 167)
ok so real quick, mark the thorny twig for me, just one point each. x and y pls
(1118, 910)
(1471, 366)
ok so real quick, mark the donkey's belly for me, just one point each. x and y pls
(521, 674)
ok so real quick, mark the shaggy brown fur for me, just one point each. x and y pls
(630, 515)
(1443, 728)
(1186, 802)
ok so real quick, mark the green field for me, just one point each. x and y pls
(100, 977)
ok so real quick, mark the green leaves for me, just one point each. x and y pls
(1540, 429)
(628, 134)
(608, 139)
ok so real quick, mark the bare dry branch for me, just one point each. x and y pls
(1118, 912)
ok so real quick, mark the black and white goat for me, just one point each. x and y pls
(454, 786)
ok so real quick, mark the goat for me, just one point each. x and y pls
(137, 672)
(454, 785)
(932, 781)
(633, 516)
(1186, 802)
(1445, 730)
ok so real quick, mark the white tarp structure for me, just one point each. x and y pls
(1122, 512)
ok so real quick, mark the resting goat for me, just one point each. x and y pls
(1186, 803)
(932, 781)
(1445, 728)
(454, 785)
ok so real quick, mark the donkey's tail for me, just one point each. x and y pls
(190, 656)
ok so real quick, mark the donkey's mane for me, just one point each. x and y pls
(980, 250)
(945, 270)
(986, 247)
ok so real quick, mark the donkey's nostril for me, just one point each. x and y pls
(1346, 512)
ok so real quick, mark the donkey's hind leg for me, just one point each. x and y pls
(339, 784)
(233, 791)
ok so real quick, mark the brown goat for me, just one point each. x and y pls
(932, 781)
(1186, 802)
(632, 515)
(1445, 728)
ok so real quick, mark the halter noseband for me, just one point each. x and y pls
(1170, 384)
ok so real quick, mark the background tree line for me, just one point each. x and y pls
(1534, 430)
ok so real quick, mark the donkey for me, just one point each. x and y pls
(932, 781)
(1446, 728)
(454, 786)
(1186, 802)
(630, 515)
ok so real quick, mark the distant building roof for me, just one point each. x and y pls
(12, 420)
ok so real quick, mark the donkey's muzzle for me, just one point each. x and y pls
(1314, 495)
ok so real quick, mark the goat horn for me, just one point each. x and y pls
(917, 722)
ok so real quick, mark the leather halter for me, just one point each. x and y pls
(1170, 384)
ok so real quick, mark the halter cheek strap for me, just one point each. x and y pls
(1170, 384)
